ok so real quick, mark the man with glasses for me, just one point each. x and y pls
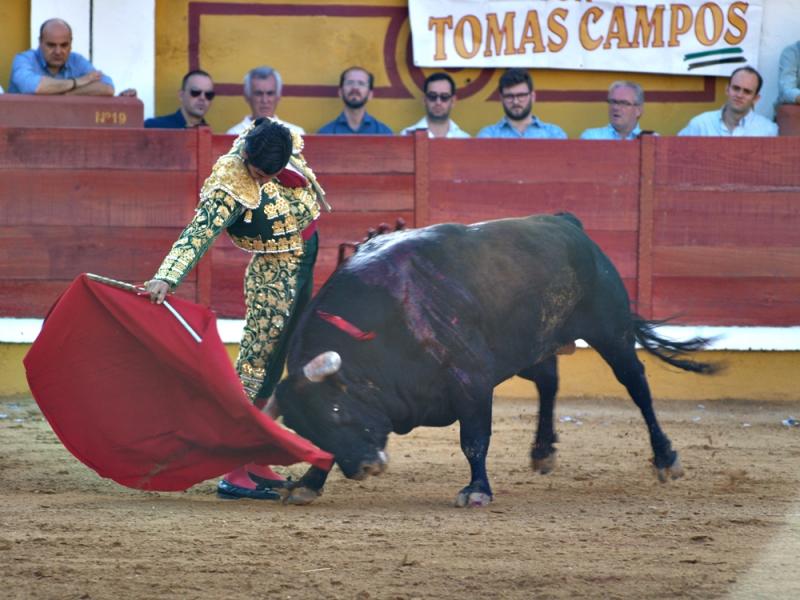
(737, 117)
(355, 90)
(439, 99)
(195, 95)
(517, 96)
(625, 107)
(262, 91)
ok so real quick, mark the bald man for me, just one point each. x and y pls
(53, 68)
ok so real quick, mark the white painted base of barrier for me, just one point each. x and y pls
(786, 339)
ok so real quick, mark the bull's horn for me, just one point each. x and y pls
(323, 365)
(272, 410)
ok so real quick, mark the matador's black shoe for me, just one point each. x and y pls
(229, 491)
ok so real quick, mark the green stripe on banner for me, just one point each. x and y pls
(710, 52)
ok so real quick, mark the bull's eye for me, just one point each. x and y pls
(336, 408)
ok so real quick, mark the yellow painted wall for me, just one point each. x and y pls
(313, 50)
(15, 17)
(764, 376)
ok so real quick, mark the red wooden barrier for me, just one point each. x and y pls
(704, 228)
(76, 200)
(788, 118)
(25, 110)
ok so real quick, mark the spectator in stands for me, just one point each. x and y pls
(789, 75)
(737, 117)
(355, 90)
(262, 91)
(517, 96)
(53, 68)
(439, 99)
(266, 196)
(625, 107)
(195, 95)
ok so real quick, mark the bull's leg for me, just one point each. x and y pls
(629, 371)
(545, 376)
(476, 431)
(305, 490)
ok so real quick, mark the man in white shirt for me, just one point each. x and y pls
(262, 91)
(737, 117)
(439, 99)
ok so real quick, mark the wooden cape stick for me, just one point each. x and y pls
(140, 290)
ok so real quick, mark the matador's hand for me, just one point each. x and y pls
(157, 289)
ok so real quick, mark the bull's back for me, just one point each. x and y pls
(509, 284)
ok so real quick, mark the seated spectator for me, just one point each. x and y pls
(517, 96)
(262, 91)
(789, 75)
(355, 90)
(625, 108)
(195, 95)
(737, 117)
(439, 100)
(53, 68)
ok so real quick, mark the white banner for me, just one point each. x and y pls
(690, 37)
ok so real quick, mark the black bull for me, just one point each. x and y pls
(419, 326)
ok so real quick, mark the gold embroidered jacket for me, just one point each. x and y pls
(265, 219)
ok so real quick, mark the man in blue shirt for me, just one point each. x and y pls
(355, 90)
(53, 68)
(197, 92)
(517, 96)
(625, 108)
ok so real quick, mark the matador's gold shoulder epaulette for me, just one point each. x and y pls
(231, 176)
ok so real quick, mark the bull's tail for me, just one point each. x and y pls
(671, 351)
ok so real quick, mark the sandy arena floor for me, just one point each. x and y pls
(599, 526)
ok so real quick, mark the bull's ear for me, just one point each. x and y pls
(323, 365)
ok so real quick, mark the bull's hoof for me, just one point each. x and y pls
(299, 496)
(466, 499)
(674, 471)
(544, 465)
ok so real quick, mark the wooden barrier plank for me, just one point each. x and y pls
(66, 110)
(730, 262)
(742, 301)
(204, 164)
(684, 163)
(369, 192)
(534, 161)
(63, 252)
(338, 227)
(133, 149)
(114, 197)
(644, 246)
(345, 154)
(724, 218)
(597, 207)
(28, 298)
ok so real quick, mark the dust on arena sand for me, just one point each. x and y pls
(599, 526)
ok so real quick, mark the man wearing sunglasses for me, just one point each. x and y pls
(737, 118)
(517, 96)
(196, 94)
(625, 107)
(439, 99)
(355, 90)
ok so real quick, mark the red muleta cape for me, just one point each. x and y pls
(133, 396)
